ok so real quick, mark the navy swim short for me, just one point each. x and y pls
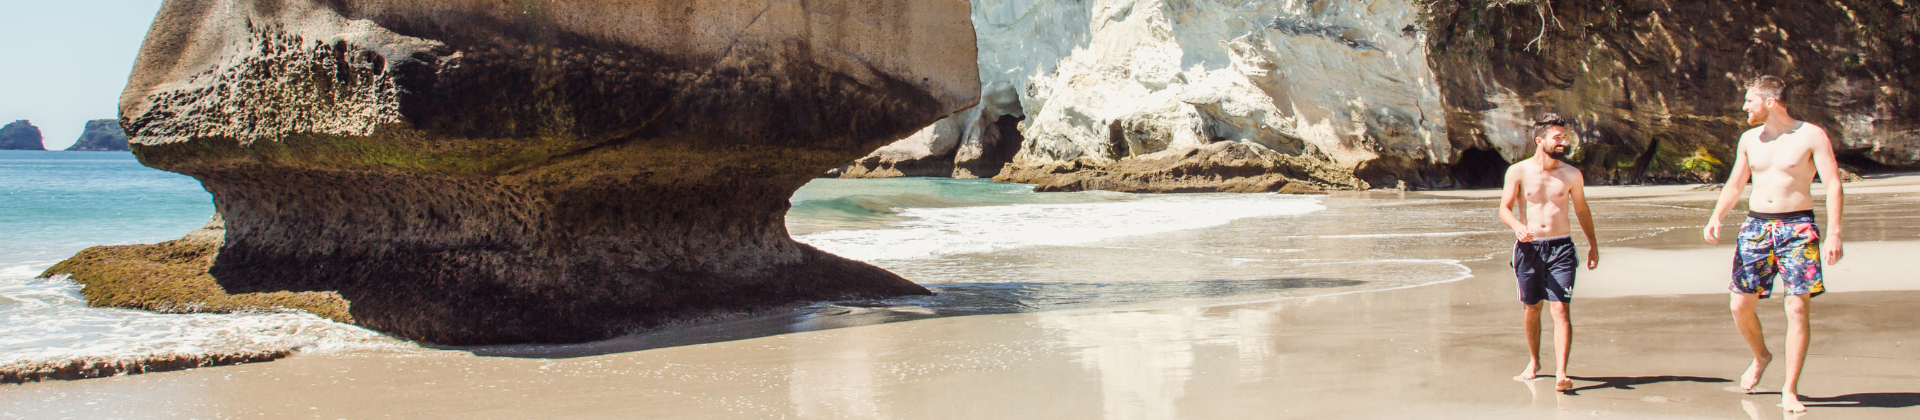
(1545, 269)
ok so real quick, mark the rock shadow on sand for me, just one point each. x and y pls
(949, 300)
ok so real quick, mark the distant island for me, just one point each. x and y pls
(101, 136)
(22, 135)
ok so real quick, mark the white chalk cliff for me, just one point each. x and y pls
(1341, 81)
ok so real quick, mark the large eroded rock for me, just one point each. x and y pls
(482, 172)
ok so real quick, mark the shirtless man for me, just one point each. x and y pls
(1779, 240)
(1544, 256)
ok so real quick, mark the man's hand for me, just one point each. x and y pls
(1593, 257)
(1711, 232)
(1833, 250)
(1524, 235)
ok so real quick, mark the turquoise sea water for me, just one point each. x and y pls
(54, 203)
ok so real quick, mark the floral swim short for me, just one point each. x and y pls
(1783, 246)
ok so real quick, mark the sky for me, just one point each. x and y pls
(63, 62)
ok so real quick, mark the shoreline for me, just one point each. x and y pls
(1446, 347)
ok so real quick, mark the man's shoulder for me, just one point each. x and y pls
(1522, 165)
(1810, 130)
(1565, 169)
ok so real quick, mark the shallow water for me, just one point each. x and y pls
(57, 203)
(982, 247)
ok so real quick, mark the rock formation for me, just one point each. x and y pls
(1657, 86)
(101, 136)
(21, 135)
(470, 172)
(1432, 94)
(929, 152)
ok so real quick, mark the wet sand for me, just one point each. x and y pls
(1653, 340)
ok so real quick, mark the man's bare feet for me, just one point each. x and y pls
(1791, 402)
(1752, 377)
(1562, 384)
(1530, 373)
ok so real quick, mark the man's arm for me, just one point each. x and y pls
(1579, 192)
(1736, 180)
(1507, 195)
(1823, 162)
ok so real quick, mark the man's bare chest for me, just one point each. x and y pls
(1784, 154)
(1544, 188)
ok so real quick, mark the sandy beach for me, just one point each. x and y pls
(1653, 341)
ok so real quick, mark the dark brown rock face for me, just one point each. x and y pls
(1657, 85)
(470, 172)
(1216, 167)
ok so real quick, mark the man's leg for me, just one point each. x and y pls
(1749, 325)
(1531, 321)
(1562, 344)
(1798, 334)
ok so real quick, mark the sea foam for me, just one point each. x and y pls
(47, 327)
(928, 232)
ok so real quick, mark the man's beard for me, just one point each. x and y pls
(1559, 154)
(1756, 118)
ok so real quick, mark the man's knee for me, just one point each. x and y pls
(1560, 309)
(1743, 303)
(1796, 305)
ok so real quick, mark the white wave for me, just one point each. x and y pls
(930, 232)
(47, 320)
(22, 270)
(1396, 235)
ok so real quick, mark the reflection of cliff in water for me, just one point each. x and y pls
(948, 300)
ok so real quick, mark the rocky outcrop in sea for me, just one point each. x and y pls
(21, 135)
(540, 171)
(1355, 94)
(101, 136)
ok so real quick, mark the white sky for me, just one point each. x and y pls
(63, 62)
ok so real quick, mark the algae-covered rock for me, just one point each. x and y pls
(476, 172)
(171, 277)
